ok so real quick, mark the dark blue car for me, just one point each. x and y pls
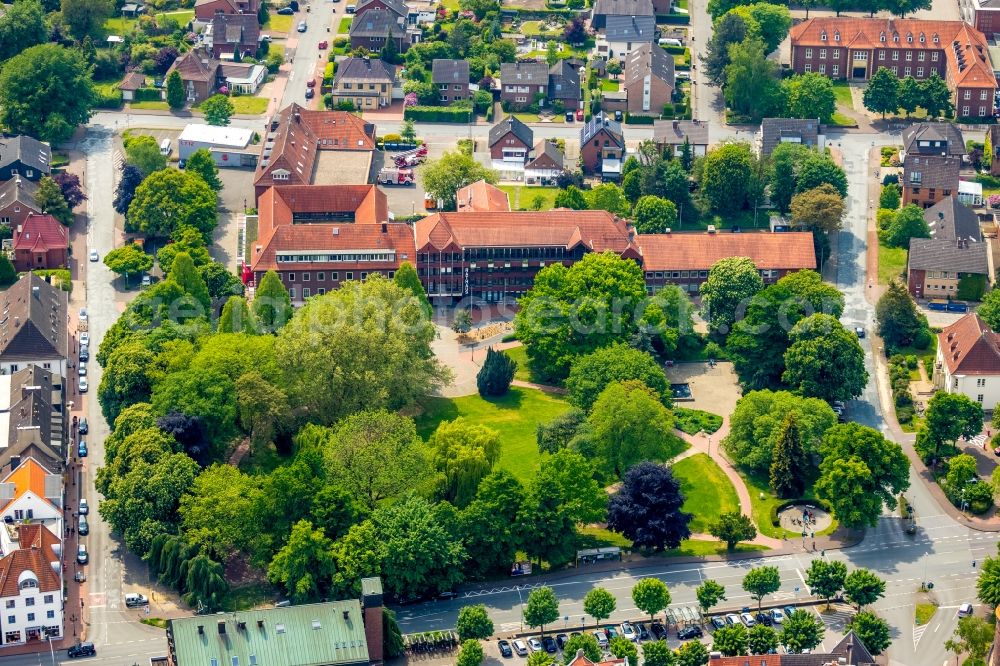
(82, 449)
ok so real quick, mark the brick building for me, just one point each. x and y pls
(451, 79)
(17, 201)
(523, 84)
(602, 147)
(648, 80)
(510, 140)
(40, 242)
(854, 48)
(932, 158)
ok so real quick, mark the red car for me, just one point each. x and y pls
(311, 83)
(324, 44)
(579, 114)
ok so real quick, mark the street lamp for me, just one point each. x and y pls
(520, 601)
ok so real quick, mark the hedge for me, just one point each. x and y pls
(639, 120)
(811, 503)
(107, 99)
(148, 95)
(674, 19)
(436, 114)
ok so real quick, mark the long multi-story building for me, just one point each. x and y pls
(854, 48)
(31, 585)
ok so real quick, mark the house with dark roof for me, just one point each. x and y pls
(304, 146)
(235, 33)
(33, 421)
(602, 9)
(684, 259)
(203, 75)
(17, 201)
(396, 7)
(936, 266)
(40, 242)
(545, 165)
(33, 326)
(367, 82)
(32, 570)
(564, 85)
(132, 82)
(622, 34)
(803, 131)
(318, 236)
(510, 140)
(24, 156)
(673, 133)
(855, 48)
(523, 83)
(648, 80)
(481, 197)
(451, 78)
(932, 158)
(968, 361)
(377, 25)
(602, 147)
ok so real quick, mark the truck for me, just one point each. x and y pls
(395, 176)
(411, 157)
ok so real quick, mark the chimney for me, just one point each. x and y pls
(201, 629)
(385, 228)
(675, 124)
(371, 604)
(298, 117)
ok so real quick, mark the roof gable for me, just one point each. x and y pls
(33, 320)
(969, 347)
(30, 152)
(40, 233)
(511, 125)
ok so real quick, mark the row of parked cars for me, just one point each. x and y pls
(768, 617)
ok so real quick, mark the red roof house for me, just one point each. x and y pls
(41, 241)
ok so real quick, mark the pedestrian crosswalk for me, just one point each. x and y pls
(117, 158)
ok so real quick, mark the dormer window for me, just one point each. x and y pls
(922, 38)
(935, 39)
(822, 37)
(881, 37)
(836, 36)
(895, 37)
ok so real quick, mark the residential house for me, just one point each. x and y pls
(968, 361)
(510, 140)
(29, 492)
(229, 146)
(481, 197)
(684, 259)
(33, 419)
(40, 242)
(993, 144)
(132, 82)
(203, 76)
(932, 157)
(494, 256)
(316, 237)
(31, 586)
(303, 147)
(673, 133)
(545, 166)
(395, 7)
(132, 10)
(421, 12)
(523, 83)
(850, 651)
(625, 33)
(451, 78)
(366, 82)
(803, 131)
(234, 34)
(24, 156)
(602, 147)
(602, 9)
(854, 48)
(371, 31)
(936, 266)
(648, 80)
(206, 10)
(17, 201)
(564, 85)
(33, 326)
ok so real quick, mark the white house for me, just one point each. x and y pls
(229, 146)
(31, 586)
(968, 361)
(31, 492)
(33, 322)
(624, 33)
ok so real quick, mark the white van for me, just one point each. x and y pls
(134, 600)
(165, 147)
(667, 41)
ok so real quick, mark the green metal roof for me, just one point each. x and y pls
(308, 635)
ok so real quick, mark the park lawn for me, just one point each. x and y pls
(278, 23)
(708, 493)
(345, 25)
(515, 415)
(601, 537)
(607, 85)
(525, 372)
(763, 500)
(891, 263)
(693, 421)
(523, 196)
(842, 93)
(249, 105)
(534, 29)
(841, 120)
(150, 106)
(119, 25)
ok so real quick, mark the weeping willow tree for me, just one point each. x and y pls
(464, 453)
(198, 577)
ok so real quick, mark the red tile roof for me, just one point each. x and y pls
(699, 251)
(300, 133)
(969, 347)
(597, 230)
(327, 237)
(581, 660)
(758, 660)
(40, 233)
(866, 33)
(481, 197)
(36, 553)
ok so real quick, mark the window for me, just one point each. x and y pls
(321, 291)
(47, 599)
(965, 110)
(10, 603)
(967, 94)
(936, 40)
(50, 614)
(836, 53)
(349, 275)
(334, 275)
(809, 53)
(980, 383)
(922, 38)
(305, 277)
(29, 172)
(921, 56)
(11, 619)
(835, 71)
(895, 71)
(364, 275)
(320, 277)
(934, 56)
(809, 67)
(291, 277)
(822, 54)
(31, 617)
(881, 37)
(881, 54)
(907, 71)
(895, 55)
(291, 293)
(822, 37)
(979, 398)
(983, 95)
(982, 111)
(306, 292)
(391, 274)
(920, 72)
(822, 69)
(909, 56)
(30, 601)
(236, 661)
(909, 38)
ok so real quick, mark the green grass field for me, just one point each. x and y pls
(841, 120)
(891, 263)
(345, 25)
(515, 415)
(708, 493)
(842, 92)
(277, 23)
(599, 537)
(763, 500)
(249, 105)
(525, 372)
(534, 29)
(608, 85)
(152, 106)
(693, 421)
(534, 118)
(122, 26)
(524, 196)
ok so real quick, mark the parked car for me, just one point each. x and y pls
(324, 45)
(689, 632)
(656, 628)
(82, 369)
(561, 640)
(535, 644)
(642, 631)
(311, 83)
(789, 610)
(84, 353)
(612, 633)
(310, 93)
(81, 554)
(505, 650)
(965, 610)
(84, 386)
(134, 600)
(82, 527)
(81, 449)
(183, 163)
(763, 618)
(521, 648)
(93, 255)
(628, 631)
(84, 507)
(733, 618)
(860, 331)
(84, 338)
(80, 577)
(747, 619)
(285, 11)
(549, 645)
(303, 26)
(718, 622)
(83, 314)
(146, 281)
(84, 427)
(602, 638)
(777, 617)
(81, 650)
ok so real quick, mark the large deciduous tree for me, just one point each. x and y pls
(730, 640)
(125, 190)
(85, 18)
(733, 527)
(897, 318)
(128, 260)
(609, 197)
(785, 161)
(881, 95)
(599, 604)
(50, 200)
(873, 631)
(862, 588)
(817, 169)
(651, 596)
(825, 578)
(169, 199)
(444, 177)
(647, 508)
(950, 416)
(731, 283)
(629, 424)
(802, 631)
(760, 582)
(463, 454)
(592, 373)
(726, 174)
(753, 86)
(728, 30)
(908, 222)
(218, 110)
(489, 525)
(988, 584)
(654, 215)
(143, 152)
(272, 306)
(819, 208)
(542, 608)
(175, 91)
(304, 566)
(21, 27)
(201, 163)
(709, 594)
(474, 622)
(810, 95)
(824, 360)
(767, 21)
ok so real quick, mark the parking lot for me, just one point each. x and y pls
(405, 201)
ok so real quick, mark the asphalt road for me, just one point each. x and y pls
(308, 57)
